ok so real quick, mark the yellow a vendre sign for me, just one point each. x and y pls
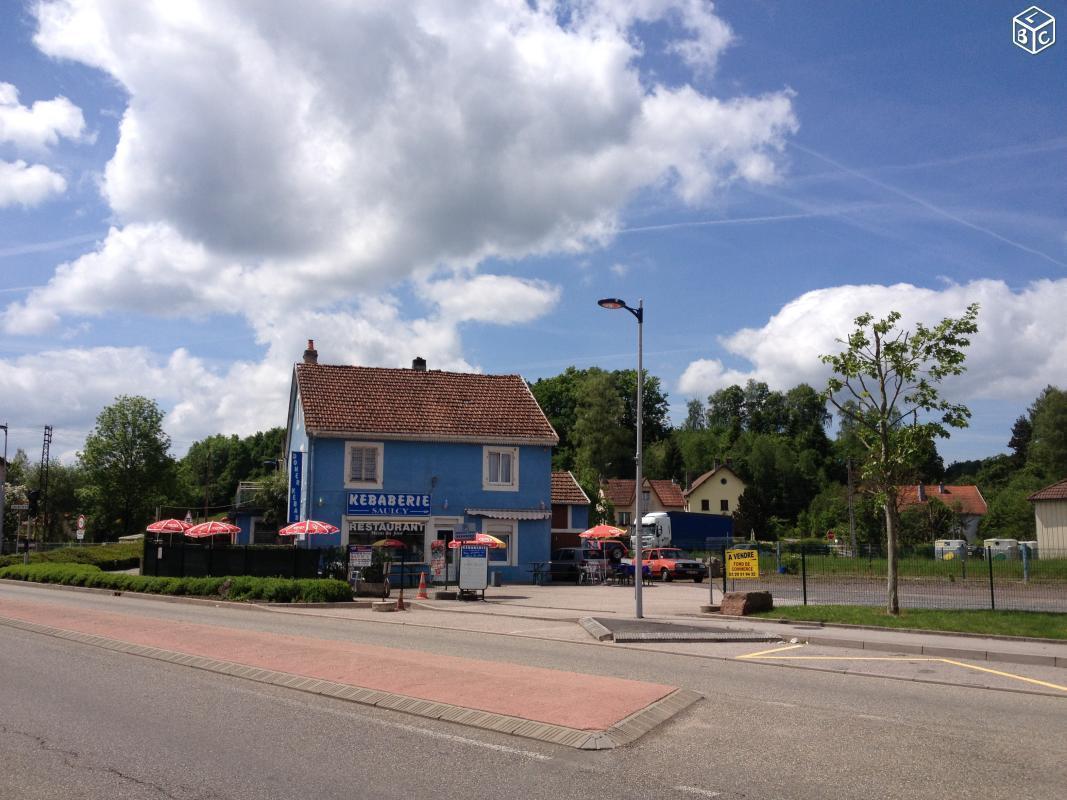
(742, 564)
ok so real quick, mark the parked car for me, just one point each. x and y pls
(572, 563)
(668, 563)
(611, 549)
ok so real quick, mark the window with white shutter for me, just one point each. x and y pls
(363, 465)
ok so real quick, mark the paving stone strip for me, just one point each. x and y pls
(561, 714)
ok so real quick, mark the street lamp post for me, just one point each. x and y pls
(639, 315)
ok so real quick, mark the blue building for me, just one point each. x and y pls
(417, 454)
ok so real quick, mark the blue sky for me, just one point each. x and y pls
(396, 183)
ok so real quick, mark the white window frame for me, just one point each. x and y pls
(377, 482)
(513, 486)
(491, 525)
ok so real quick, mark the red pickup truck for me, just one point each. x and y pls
(668, 563)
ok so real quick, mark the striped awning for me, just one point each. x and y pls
(510, 513)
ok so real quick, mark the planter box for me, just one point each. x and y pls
(367, 589)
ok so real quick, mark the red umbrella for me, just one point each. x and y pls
(308, 527)
(602, 532)
(212, 528)
(394, 543)
(169, 526)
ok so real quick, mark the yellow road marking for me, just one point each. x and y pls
(1006, 674)
(769, 655)
(848, 658)
(774, 650)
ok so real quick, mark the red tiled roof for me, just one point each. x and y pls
(618, 491)
(967, 498)
(566, 491)
(707, 475)
(670, 493)
(429, 405)
(1057, 491)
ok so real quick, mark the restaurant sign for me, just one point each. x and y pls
(388, 505)
(384, 527)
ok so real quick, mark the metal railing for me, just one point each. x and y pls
(1018, 579)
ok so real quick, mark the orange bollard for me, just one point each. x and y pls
(421, 594)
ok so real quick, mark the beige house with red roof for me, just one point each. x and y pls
(717, 491)
(1050, 517)
(659, 495)
(966, 501)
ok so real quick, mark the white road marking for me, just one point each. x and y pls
(696, 790)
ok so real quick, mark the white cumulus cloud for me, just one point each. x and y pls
(28, 185)
(296, 163)
(1020, 347)
(39, 126)
(359, 143)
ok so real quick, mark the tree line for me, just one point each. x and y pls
(125, 475)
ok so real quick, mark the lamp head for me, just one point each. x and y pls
(611, 302)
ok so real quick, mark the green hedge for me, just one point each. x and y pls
(123, 555)
(239, 587)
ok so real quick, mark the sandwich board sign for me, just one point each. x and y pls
(473, 568)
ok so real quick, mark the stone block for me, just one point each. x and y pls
(739, 604)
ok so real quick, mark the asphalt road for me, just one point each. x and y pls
(80, 722)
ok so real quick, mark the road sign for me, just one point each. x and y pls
(81, 527)
(742, 564)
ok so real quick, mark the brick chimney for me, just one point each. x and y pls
(311, 355)
(922, 493)
(418, 364)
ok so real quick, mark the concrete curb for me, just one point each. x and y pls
(595, 629)
(623, 732)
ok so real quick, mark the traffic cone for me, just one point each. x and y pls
(421, 595)
(400, 599)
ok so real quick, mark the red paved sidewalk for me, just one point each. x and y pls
(570, 699)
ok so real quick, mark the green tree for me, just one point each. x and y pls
(603, 444)
(726, 411)
(128, 469)
(892, 376)
(558, 398)
(752, 516)
(695, 416)
(63, 505)
(1048, 445)
(1021, 433)
(655, 410)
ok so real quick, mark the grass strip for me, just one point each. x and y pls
(235, 587)
(1039, 624)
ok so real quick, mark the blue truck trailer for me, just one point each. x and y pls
(688, 530)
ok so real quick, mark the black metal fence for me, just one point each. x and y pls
(1018, 579)
(186, 559)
